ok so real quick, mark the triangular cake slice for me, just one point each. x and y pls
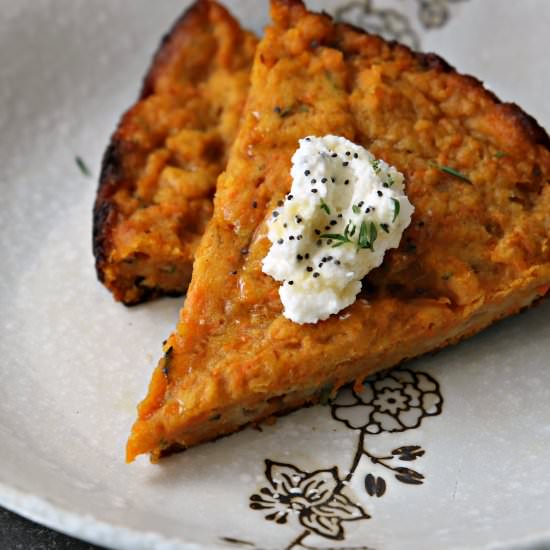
(477, 249)
(160, 170)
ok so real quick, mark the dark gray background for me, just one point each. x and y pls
(17, 533)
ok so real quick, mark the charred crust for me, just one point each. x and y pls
(536, 133)
(432, 61)
(102, 216)
(105, 211)
(147, 294)
(111, 165)
(164, 50)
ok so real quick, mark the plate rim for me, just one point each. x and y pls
(88, 528)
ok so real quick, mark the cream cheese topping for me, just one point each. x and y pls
(344, 210)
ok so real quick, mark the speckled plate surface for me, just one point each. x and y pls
(451, 451)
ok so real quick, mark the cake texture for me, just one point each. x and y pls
(476, 170)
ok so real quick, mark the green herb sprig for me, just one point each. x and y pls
(367, 235)
(325, 207)
(450, 171)
(82, 166)
(396, 209)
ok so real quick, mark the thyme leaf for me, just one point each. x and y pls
(373, 234)
(356, 209)
(396, 209)
(363, 241)
(282, 112)
(450, 171)
(335, 237)
(82, 166)
(324, 206)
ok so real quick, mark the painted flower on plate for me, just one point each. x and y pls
(316, 499)
(390, 402)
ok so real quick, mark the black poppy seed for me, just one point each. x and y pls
(290, 197)
(355, 156)
(285, 225)
(280, 203)
(334, 155)
(346, 182)
(291, 238)
(299, 257)
(313, 181)
(360, 203)
(329, 241)
(307, 256)
(348, 153)
(367, 210)
(345, 163)
(280, 241)
(298, 219)
(308, 139)
(340, 215)
(333, 180)
(317, 232)
(291, 282)
(314, 190)
(254, 204)
(337, 262)
(329, 259)
(307, 173)
(379, 193)
(299, 237)
(324, 259)
(385, 185)
(333, 222)
(327, 227)
(316, 274)
(321, 265)
(275, 213)
(309, 269)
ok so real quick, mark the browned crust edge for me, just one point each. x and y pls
(177, 448)
(165, 50)
(112, 175)
(530, 127)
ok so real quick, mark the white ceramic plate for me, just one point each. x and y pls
(466, 465)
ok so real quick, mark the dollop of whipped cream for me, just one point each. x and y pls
(344, 210)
